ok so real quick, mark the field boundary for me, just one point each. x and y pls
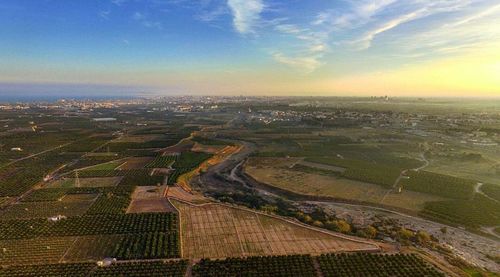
(179, 218)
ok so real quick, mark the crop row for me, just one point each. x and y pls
(155, 245)
(109, 204)
(364, 264)
(186, 162)
(363, 171)
(90, 225)
(293, 265)
(439, 184)
(140, 177)
(492, 191)
(154, 268)
(20, 177)
(162, 162)
(479, 211)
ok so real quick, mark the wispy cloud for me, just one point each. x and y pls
(104, 14)
(484, 13)
(365, 41)
(146, 21)
(246, 14)
(118, 2)
(306, 64)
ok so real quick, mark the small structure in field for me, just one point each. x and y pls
(56, 218)
(106, 262)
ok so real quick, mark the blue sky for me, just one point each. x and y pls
(253, 46)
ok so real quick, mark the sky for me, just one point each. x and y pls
(251, 47)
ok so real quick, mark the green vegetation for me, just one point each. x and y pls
(294, 265)
(162, 162)
(106, 166)
(20, 177)
(140, 177)
(472, 213)
(186, 162)
(209, 141)
(119, 147)
(492, 191)
(191, 159)
(362, 171)
(90, 225)
(364, 264)
(132, 269)
(109, 204)
(439, 184)
(154, 245)
(53, 194)
(44, 209)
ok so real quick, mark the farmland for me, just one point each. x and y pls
(186, 162)
(277, 172)
(249, 234)
(162, 161)
(85, 182)
(155, 268)
(149, 199)
(272, 188)
(45, 209)
(257, 266)
(375, 265)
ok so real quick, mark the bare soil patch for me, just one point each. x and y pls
(147, 199)
(192, 197)
(217, 231)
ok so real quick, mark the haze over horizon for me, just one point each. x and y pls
(252, 47)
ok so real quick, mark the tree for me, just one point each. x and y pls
(370, 232)
(405, 234)
(318, 223)
(423, 237)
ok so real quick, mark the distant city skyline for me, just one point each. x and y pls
(418, 48)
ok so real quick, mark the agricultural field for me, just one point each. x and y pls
(148, 199)
(90, 225)
(281, 173)
(362, 264)
(106, 166)
(492, 191)
(191, 197)
(34, 251)
(321, 170)
(4, 200)
(439, 184)
(475, 212)
(211, 149)
(162, 162)
(133, 268)
(216, 231)
(85, 182)
(135, 163)
(185, 163)
(296, 265)
(46, 209)
(139, 138)
(109, 204)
